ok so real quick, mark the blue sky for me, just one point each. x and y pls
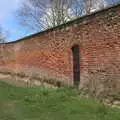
(9, 21)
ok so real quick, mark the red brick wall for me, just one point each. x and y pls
(49, 55)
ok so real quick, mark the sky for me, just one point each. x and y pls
(9, 21)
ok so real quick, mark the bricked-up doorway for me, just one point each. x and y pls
(76, 65)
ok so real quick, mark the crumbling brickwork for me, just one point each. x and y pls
(48, 54)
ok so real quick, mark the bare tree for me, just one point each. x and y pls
(112, 2)
(93, 5)
(39, 14)
(2, 41)
(2, 38)
(59, 12)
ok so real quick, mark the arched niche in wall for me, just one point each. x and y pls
(76, 64)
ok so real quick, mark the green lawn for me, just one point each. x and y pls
(40, 103)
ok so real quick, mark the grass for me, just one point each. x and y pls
(41, 103)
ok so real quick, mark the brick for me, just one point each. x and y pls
(49, 53)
